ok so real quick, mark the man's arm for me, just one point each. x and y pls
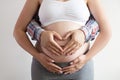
(90, 29)
(34, 30)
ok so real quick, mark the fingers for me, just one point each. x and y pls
(49, 59)
(48, 42)
(56, 46)
(73, 50)
(70, 69)
(71, 47)
(75, 61)
(57, 35)
(54, 68)
(69, 44)
(75, 65)
(53, 47)
(73, 68)
(48, 63)
(55, 50)
(67, 35)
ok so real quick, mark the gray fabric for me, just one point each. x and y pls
(40, 73)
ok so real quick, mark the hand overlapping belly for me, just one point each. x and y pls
(62, 30)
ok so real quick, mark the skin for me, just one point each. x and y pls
(100, 42)
(23, 40)
(77, 40)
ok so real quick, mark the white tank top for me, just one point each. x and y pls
(52, 11)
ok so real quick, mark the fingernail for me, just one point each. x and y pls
(61, 72)
(71, 63)
(65, 73)
(53, 61)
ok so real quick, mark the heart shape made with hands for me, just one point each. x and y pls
(62, 42)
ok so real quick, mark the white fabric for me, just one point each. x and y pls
(52, 11)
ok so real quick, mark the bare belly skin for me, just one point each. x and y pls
(62, 28)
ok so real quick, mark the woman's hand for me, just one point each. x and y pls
(48, 63)
(47, 41)
(77, 40)
(75, 65)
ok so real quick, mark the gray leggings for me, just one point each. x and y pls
(40, 73)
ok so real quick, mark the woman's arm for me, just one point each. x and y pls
(26, 15)
(100, 42)
(90, 30)
(46, 38)
(21, 37)
(34, 29)
(105, 29)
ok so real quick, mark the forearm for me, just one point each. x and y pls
(34, 30)
(90, 29)
(100, 42)
(22, 39)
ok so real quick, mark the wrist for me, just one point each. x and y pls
(83, 34)
(38, 33)
(38, 56)
(89, 55)
(86, 33)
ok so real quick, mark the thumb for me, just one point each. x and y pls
(57, 35)
(67, 35)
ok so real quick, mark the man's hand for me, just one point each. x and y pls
(47, 41)
(48, 63)
(77, 39)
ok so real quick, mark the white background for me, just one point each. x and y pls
(15, 63)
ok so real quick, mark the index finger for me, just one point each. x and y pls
(57, 47)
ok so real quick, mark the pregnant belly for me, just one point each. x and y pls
(62, 29)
